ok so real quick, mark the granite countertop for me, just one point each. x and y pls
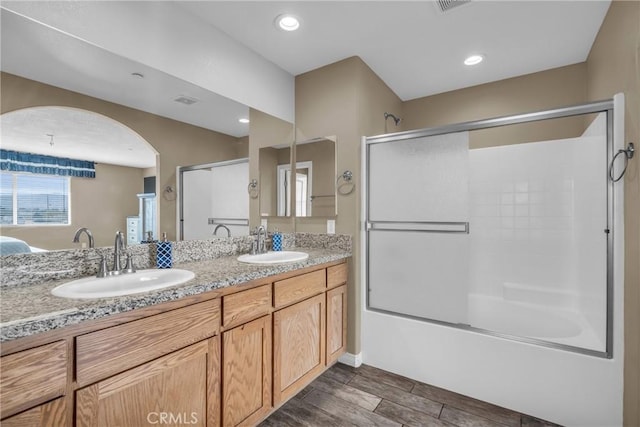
(29, 310)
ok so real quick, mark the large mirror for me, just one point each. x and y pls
(309, 190)
(315, 178)
(179, 124)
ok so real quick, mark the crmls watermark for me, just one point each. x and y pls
(180, 418)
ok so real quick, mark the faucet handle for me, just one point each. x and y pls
(103, 270)
(129, 268)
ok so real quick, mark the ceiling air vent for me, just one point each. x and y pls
(186, 100)
(447, 5)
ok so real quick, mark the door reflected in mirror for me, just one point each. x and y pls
(275, 176)
(303, 179)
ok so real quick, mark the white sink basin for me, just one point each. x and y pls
(273, 257)
(123, 284)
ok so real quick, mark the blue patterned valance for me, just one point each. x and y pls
(47, 165)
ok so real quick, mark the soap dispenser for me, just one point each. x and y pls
(164, 253)
(276, 241)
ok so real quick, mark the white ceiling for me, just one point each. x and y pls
(414, 48)
(39, 52)
(74, 131)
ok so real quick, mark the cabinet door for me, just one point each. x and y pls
(177, 389)
(31, 377)
(246, 373)
(336, 323)
(298, 344)
(52, 414)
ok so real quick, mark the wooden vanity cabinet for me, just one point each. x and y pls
(177, 389)
(50, 414)
(298, 346)
(112, 350)
(31, 377)
(336, 323)
(336, 312)
(246, 373)
(161, 369)
(224, 359)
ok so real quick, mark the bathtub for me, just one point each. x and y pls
(533, 321)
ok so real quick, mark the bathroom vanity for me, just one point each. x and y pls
(219, 352)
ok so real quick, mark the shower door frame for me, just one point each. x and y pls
(605, 106)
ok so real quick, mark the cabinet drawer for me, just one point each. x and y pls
(337, 275)
(50, 414)
(109, 351)
(33, 376)
(298, 288)
(247, 305)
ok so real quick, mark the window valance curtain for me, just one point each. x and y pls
(38, 163)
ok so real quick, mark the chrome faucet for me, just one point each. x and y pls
(117, 247)
(79, 231)
(262, 241)
(215, 232)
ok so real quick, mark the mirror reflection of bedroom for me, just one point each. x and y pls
(59, 166)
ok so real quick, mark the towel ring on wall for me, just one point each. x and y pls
(628, 155)
(169, 193)
(252, 189)
(347, 186)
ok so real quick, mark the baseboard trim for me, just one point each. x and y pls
(350, 359)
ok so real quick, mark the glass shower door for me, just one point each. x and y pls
(418, 227)
(500, 229)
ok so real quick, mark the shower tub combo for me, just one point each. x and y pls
(493, 260)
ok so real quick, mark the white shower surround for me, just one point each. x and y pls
(569, 388)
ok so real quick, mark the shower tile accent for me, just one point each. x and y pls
(536, 227)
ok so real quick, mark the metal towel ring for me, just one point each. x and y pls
(346, 178)
(252, 189)
(628, 155)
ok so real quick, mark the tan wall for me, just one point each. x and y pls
(533, 92)
(266, 131)
(110, 197)
(348, 100)
(242, 147)
(179, 144)
(612, 67)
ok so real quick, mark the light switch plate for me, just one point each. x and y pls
(263, 222)
(331, 226)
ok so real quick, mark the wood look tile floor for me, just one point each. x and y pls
(367, 396)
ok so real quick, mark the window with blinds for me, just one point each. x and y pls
(31, 199)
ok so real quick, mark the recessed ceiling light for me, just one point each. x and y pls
(473, 60)
(287, 22)
(243, 120)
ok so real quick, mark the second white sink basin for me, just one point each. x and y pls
(273, 257)
(123, 284)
